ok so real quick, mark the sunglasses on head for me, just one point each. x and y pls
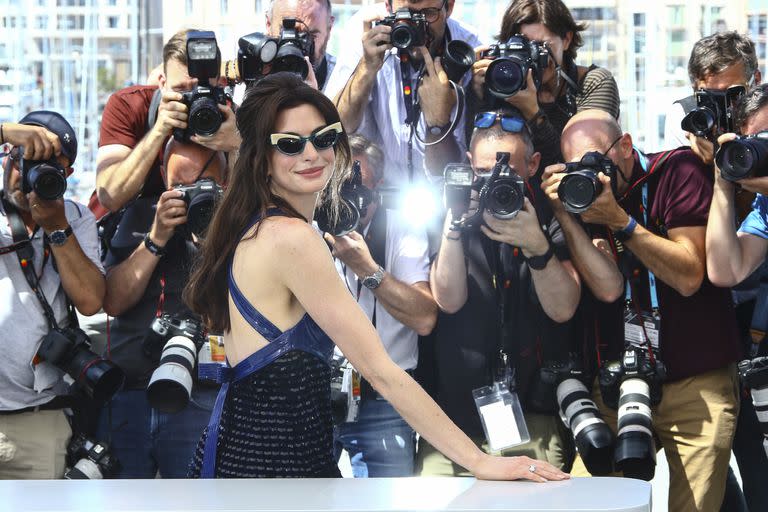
(292, 144)
(509, 123)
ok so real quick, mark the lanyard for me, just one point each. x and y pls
(411, 107)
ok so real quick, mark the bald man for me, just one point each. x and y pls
(148, 265)
(314, 17)
(650, 218)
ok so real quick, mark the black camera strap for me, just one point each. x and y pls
(412, 110)
(376, 239)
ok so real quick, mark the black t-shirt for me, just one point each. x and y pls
(467, 342)
(128, 330)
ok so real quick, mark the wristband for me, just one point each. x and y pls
(624, 234)
(153, 247)
(540, 262)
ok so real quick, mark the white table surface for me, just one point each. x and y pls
(314, 495)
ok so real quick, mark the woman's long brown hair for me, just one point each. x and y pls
(248, 192)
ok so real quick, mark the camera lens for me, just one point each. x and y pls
(204, 116)
(699, 121)
(99, 378)
(504, 199)
(459, 57)
(402, 36)
(200, 213)
(743, 158)
(84, 469)
(579, 189)
(349, 219)
(505, 77)
(47, 181)
(592, 436)
(170, 386)
(635, 453)
(290, 58)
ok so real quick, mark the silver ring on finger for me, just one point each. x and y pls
(532, 468)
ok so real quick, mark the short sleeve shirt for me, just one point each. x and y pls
(756, 222)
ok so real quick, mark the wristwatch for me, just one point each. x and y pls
(374, 280)
(624, 234)
(59, 237)
(439, 130)
(539, 262)
(153, 247)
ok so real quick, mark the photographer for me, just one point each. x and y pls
(373, 88)
(137, 122)
(314, 17)
(66, 268)
(148, 264)
(650, 216)
(519, 265)
(717, 62)
(563, 88)
(385, 264)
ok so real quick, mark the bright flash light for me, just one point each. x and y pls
(419, 205)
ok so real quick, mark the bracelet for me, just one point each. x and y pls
(152, 247)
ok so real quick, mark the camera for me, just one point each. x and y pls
(457, 59)
(89, 460)
(714, 112)
(508, 73)
(201, 199)
(69, 349)
(502, 193)
(580, 187)
(754, 374)
(744, 157)
(409, 29)
(203, 63)
(46, 178)
(345, 390)
(633, 385)
(170, 386)
(566, 383)
(356, 198)
(258, 54)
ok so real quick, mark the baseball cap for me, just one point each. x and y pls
(56, 124)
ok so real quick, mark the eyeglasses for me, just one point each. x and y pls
(509, 123)
(292, 144)
(431, 14)
(613, 144)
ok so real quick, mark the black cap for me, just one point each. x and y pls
(56, 124)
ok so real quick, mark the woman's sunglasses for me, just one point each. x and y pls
(291, 144)
(509, 123)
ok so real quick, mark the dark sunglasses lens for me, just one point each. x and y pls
(512, 124)
(290, 146)
(485, 119)
(325, 140)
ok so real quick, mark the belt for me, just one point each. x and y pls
(368, 393)
(58, 403)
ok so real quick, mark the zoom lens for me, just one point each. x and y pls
(402, 36)
(743, 158)
(291, 59)
(204, 116)
(505, 77)
(504, 199)
(635, 453)
(579, 189)
(47, 181)
(170, 387)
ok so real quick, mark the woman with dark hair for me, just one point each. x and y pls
(566, 88)
(285, 306)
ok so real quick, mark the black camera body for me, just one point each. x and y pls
(203, 63)
(356, 198)
(508, 73)
(542, 395)
(89, 460)
(259, 55)
(201, 198)
(635, 363)
(69, 349)
(167, 326)
(409, 29)
(45, 178)
(714, 113)
(744, 157)
(580, 186)
(754, 372)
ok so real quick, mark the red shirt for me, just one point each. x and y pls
(698, 333)
(124, 122)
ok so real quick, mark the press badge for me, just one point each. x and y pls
(641, 328)
(501, 415)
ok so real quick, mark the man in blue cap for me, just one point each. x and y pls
(56, 239)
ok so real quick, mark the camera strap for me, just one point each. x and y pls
(411, 106)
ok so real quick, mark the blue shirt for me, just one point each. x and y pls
(756, 222)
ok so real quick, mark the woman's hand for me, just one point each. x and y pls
(517, 468)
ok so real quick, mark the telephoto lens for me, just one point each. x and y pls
(754, 374)
(699, 121)
(635, 453)
(89, 460)
(170, 386)
(745, 157)
(47, 179)
(592, 436)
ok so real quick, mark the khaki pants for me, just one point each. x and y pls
(546, 444)
(695, 422)
(41, 444)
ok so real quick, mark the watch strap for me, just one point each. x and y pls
(54, 235)
(624, 234)
(374, 280)
(541, 261)
(153, 247)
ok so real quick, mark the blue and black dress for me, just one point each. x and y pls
(272, 417)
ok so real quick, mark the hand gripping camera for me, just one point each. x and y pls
(633, 385)
(745, 157)
(170, 386)
(508, 73)
(46, 178)
(409, 29)
(714, 113)
(258, 54)
(502, 194)
(580, 187)
(89, 460)
(203, 63)
(356, 198)
(566, 382)
(754, 374)
(201, 198)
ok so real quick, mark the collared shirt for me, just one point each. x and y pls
(22, 321)
(407, 260)
(383, 121)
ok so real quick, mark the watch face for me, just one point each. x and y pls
(58, 237)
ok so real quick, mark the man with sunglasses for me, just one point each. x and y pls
(505, 287)
(651, 217)
(34, 430)
(148, 266)
(382, 95)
